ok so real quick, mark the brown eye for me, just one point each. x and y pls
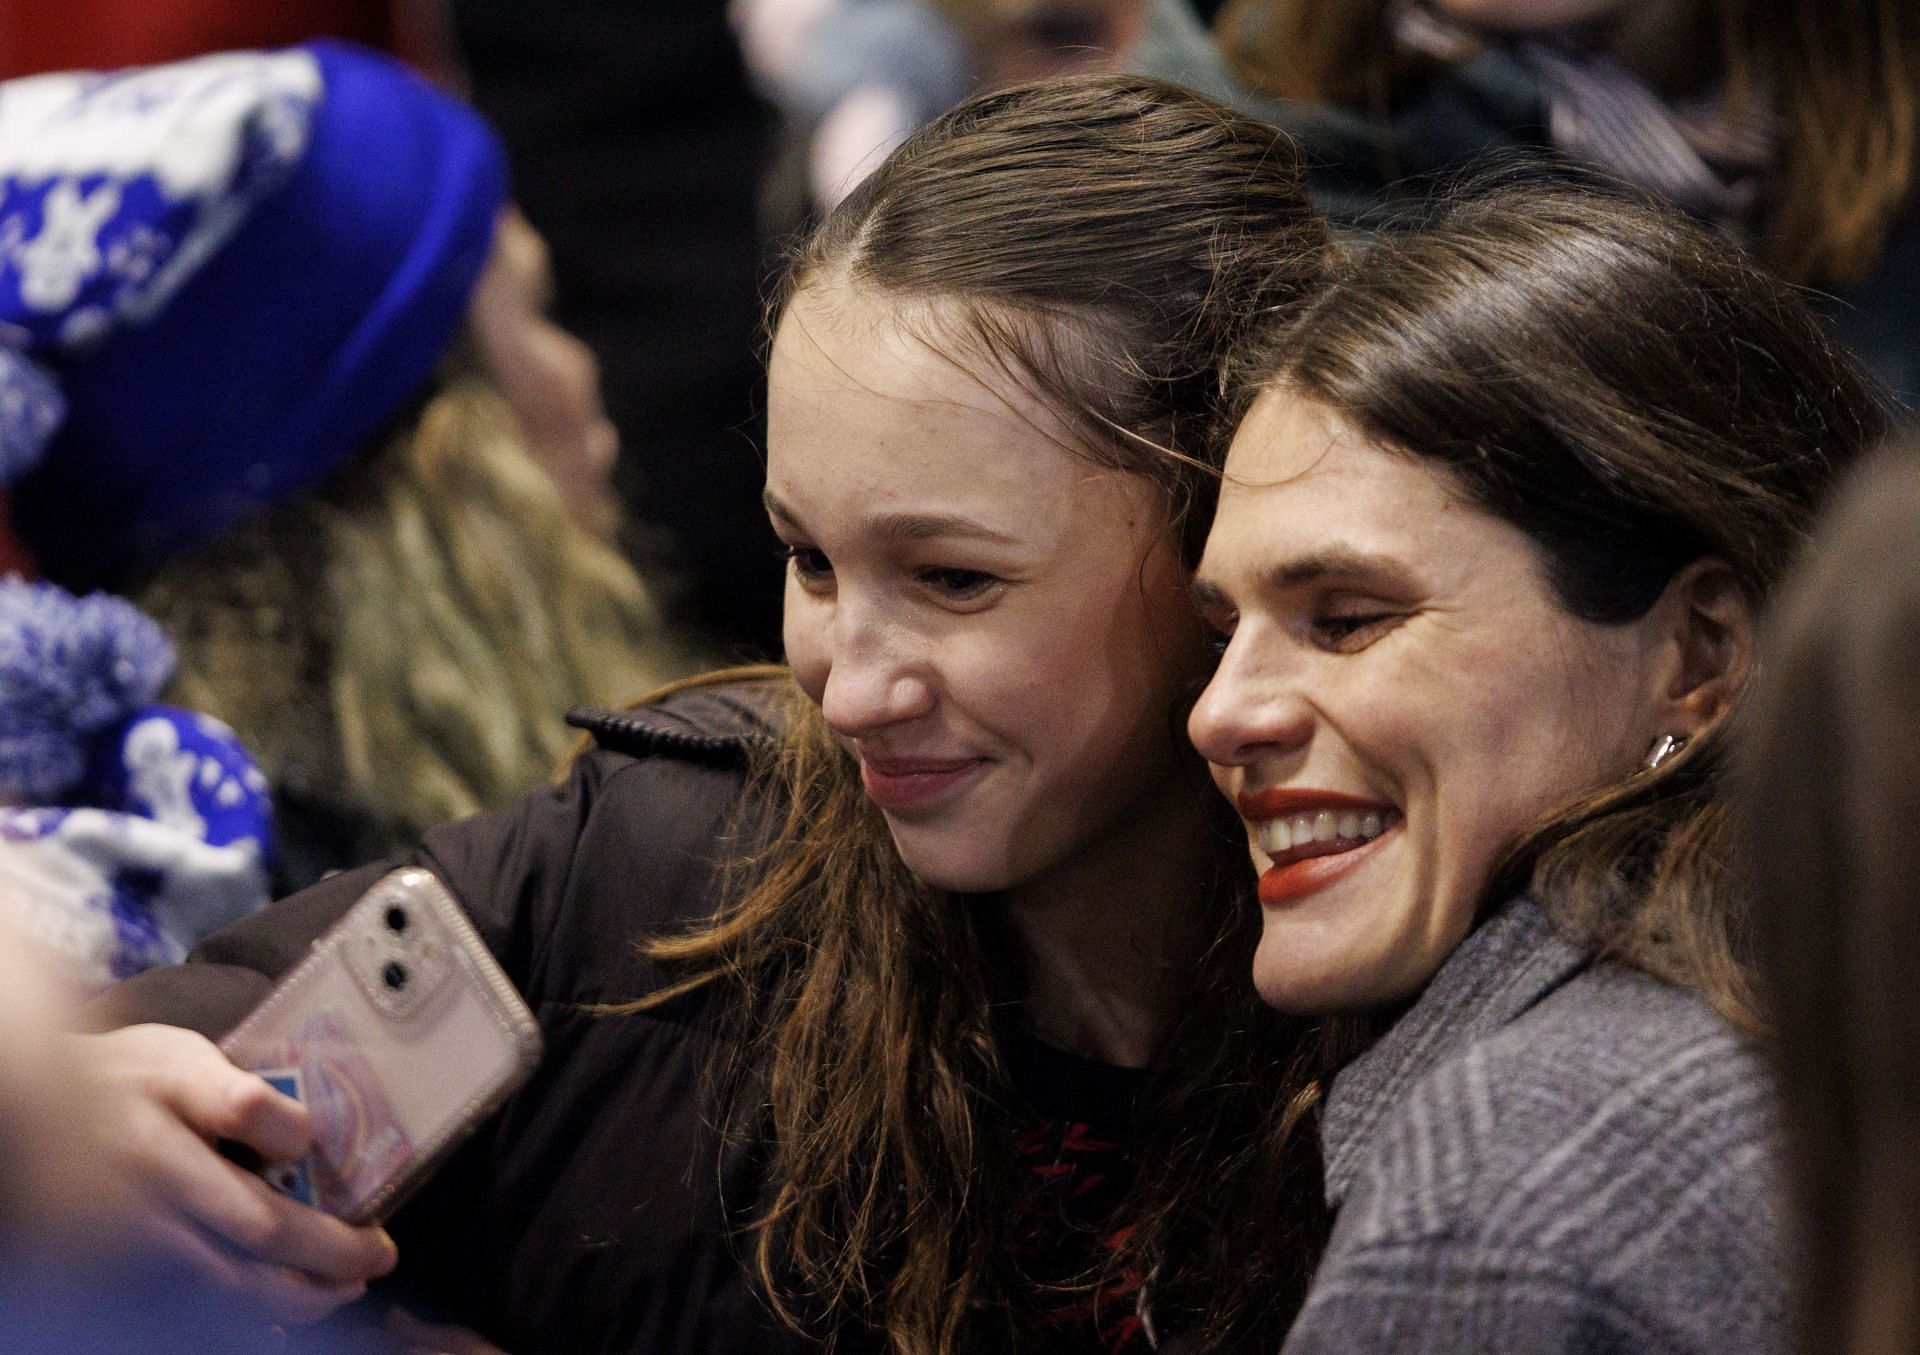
(1352, 631)
(809, 563)
(959, 585)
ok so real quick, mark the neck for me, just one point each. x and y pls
(1108, 937)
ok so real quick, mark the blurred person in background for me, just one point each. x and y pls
(279, 369)
(856, 76)
(1793, 125)
(1830, 810)
(637, 149)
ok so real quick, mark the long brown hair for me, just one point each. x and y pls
(1830, 775)
(1842, 77)
(1104, 241)
(1634, 395)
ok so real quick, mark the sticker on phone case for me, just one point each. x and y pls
(289, 1178)
(358, 1141)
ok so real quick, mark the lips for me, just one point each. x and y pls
(904, 784)
(1313, 837)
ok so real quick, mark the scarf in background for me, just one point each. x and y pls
(1693, 153)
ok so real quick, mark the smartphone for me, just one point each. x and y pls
(400, 1034)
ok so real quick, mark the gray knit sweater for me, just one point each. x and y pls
(1547, 1154)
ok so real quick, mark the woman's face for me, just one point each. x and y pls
(1400, 695)
(998, 629)
(547, 375)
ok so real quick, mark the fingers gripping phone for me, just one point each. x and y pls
(399, 1034)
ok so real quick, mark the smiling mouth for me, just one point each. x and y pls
(1326, 832)
(901, 785)
(1312, 838)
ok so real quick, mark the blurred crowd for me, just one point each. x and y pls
(383, 380)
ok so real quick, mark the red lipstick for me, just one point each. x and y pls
(1292, 879)
(1282, 802)
(1312, 865)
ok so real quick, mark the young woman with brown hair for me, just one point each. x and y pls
(933, 927)
(1831, 775)
(1794, 125)
(1489, 547)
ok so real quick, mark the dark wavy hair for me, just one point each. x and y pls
(1104, 241)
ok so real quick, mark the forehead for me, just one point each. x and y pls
(1302, 483)
(1292, 450)
(862, 393)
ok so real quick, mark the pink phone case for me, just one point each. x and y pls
(400, 1034)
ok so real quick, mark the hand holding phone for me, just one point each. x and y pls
(399, 1034)
(159, 1099)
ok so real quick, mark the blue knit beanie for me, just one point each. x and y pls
(219, 279)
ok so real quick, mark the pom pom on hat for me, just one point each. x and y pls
(70, 668)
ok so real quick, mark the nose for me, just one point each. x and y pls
(876, 674)
(1249, 711)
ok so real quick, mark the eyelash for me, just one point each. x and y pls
(808, 562)
(1340, 633)
(955, 584)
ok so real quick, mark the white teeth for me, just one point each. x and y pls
(1274, 836)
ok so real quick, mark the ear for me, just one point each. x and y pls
(1706, 629)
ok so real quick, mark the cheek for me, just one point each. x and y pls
(1531, 737)
(806, 636)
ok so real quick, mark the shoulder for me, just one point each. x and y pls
(634, 839)
(1613, 1146)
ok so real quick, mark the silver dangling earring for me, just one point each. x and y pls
(1665, 747)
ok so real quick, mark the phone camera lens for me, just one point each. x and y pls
(397, 919)
(394, 975)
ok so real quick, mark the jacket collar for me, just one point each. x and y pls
(1505, 966)
(717, 719)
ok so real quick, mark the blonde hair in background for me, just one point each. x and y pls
(406, 640)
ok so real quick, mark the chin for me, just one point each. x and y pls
(1292, 979)
(960, 868)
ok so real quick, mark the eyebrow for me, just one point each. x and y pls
(1334, 562)
(908, 526)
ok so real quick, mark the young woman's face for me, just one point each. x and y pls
(998, 629)
(1400, 695)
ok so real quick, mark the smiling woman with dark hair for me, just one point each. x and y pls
(1489, 547)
